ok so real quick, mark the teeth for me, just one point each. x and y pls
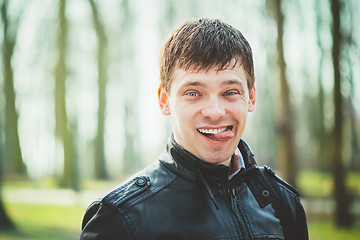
(212, 131)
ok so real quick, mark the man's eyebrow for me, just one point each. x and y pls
(232, 82)
(202, 84)
(194, 84)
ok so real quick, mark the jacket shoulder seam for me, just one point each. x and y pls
(123, 193)
(281, 182)
(137, 199)
(133, 191)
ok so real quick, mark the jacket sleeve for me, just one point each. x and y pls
(293, 217)
(288, 208)
(301, 223)
(102, 222)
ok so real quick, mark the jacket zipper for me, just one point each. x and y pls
(240, 220)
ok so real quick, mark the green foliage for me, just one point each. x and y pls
(326, 230)
(353, 183)
(320, 184)
(315, 184)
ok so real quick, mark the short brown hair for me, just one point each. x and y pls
(202, 44)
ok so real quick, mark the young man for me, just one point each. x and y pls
(206, 184)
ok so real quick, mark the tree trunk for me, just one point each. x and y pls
(131, 157)
(5, 221)
(353, 126)
(320, 130)
(342, 213)
(70, 173)
(100, 162)
(13, 150)
(285, 127)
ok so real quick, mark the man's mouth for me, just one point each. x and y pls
(217, 134)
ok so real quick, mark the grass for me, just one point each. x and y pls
(42, 222)
(320, 230)
(52, 183)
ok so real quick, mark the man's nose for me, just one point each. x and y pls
(213, 108)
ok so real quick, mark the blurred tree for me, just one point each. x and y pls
(321, 133)
(285, 129)
(168, 16)
(5, 221)
(102, 64)
(70, 173)
(166, 24)
(266, 99)
(350, 47)
(13, 151)
(131, 157)
(342, 211)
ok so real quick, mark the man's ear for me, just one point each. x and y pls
(252, 99)
(163, 101)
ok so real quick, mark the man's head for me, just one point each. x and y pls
(207, 86)
(203, 44)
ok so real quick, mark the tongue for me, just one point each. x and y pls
(222, 136)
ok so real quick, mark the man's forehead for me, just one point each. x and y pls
(201, 66)
(201, 82)
(229, 76)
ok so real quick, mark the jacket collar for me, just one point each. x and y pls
(185, 164)
(215, 177)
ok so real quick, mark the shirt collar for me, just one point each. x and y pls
(237, 163)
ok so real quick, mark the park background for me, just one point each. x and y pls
(79, 112)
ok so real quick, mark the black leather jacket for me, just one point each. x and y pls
(181, 197)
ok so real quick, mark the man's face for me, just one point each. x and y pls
(209, 111)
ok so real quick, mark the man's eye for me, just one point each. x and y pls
(192, 94)
(231, 93)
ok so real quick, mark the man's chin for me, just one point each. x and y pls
(216, 158)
